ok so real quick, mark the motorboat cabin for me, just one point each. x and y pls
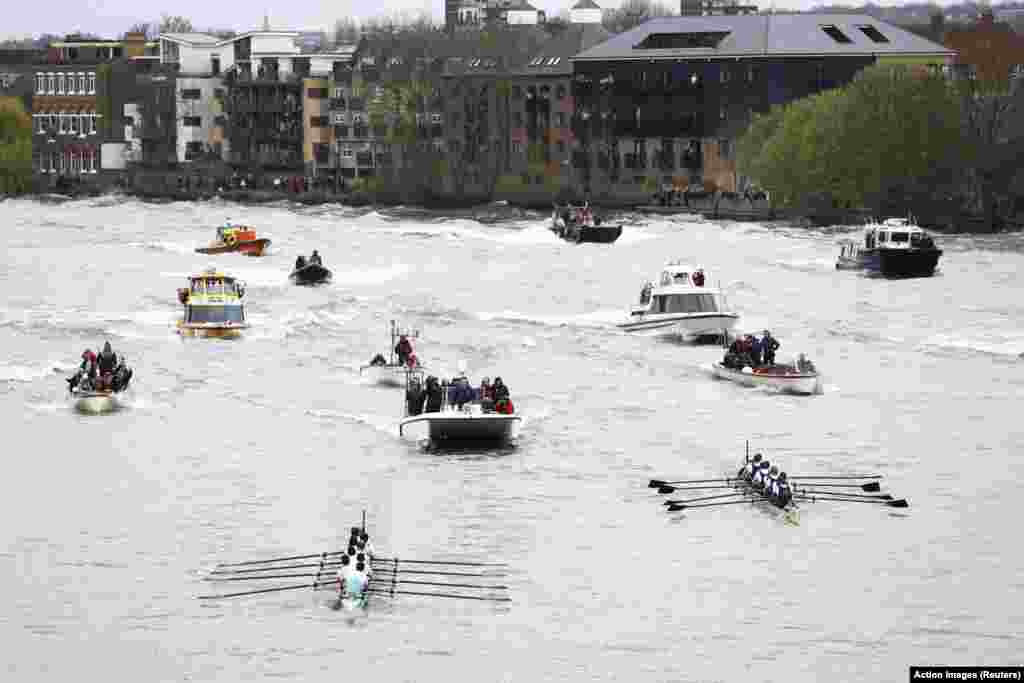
(895, 247)
(212, 306)
(681, 302)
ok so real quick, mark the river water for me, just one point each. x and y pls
(274, 445)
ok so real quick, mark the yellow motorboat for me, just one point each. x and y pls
(213, 306)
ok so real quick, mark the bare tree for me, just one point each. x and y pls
(175, 24)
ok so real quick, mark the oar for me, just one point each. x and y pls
(263, 590)
(442, 595)
(877, 496)
(275, 568)
(280, 559)
(399, 560)
(260, 577)
(901, 503)
(673, 489)
(873, 486)
(452, 585)
(658, 483)
(694, 500)
(389, 570)
(851, 476)
(749, 501)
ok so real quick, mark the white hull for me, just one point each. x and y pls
(455, 425)
(809, 383)
(387, 375)
(95, 403)
(684, 324)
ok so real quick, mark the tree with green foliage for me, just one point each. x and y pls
(894, 128)
(15, 147)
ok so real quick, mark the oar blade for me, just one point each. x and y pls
(872, 487)
(666, 489)
(901, 503)
(656, 483)
(676, 507)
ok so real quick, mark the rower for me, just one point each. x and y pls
(751, 469)
(365, 539)
(361, 560)
(769, 482)
(785, 494)
(761, 475)
(343, 573)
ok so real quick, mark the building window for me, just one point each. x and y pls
(73, 124)
(321, 152)
(40, 84)
(835, 34)
(192, 121)
(559, 120)
(51, 81)
(316, 93)
(873, 33)
(561, 147)
(215, 66)
(346, 152)
(339, 93)
(357, 118)
(63, 122)
(92, 124)
(725, 74)
(517, 148)
(560, 92)
(318, 122)
(60, 84)
(518, 118)
(751, 73)
(81, 83)
(92, 84)
(193, 151)
(724, 149)
(190, 94)
(339, 117)
(435, 118)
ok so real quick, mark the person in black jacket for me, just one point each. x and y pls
(435, 396)
(414, 396)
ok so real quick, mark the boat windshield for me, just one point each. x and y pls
(685, 303)
(900, 237)
(215, 314)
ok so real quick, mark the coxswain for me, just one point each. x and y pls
(769, 482)
(356, 582)
(106, 364)
(300, 262)
(315, 258)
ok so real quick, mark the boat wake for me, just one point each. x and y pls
(383, 424)
(179, 248)
(16, 372)
(593, 319)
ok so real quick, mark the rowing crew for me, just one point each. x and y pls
(356, 571)
(766, 479)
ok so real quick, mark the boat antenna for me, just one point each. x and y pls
(364, 520)
(748, 450)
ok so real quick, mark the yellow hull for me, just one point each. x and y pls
(210, 331)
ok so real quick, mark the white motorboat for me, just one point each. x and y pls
(470, 424)
(681, 303)
(390, 371)
(784, 378)
(95, 402)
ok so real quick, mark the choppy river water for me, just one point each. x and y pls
(273, 445)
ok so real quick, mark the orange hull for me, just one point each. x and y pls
(253, 247)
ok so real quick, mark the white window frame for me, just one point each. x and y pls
(339, 118)
(435, 118)
(51, 80)
(339, 93)
(74, 124)
(60, 84)
(92, 83)
(92, 130)
(40, 84)
(346, 152)
(62, 126)
(81, 82)
(61, 162)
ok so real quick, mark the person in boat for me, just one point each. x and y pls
(363, 561)
(769, 481)
(751, 467)
(364, 538)
(106, 363)
(300, 262)
(414, 397)
(756, 352)
(435, 396)
(412, 361)
(698, 278)
(355, 582)
(314, 258)
(502, 399)
(344, 571)
(760, 475)
(769, 345)
(460, 392)
(486, 395)
(403, 349)
(803, 365)
(645, 293)
(783, 493)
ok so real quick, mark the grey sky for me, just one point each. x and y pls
(110, 18)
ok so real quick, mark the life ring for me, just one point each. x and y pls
(229, 238)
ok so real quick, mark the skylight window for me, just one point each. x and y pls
(874, 34)
(835, 34)
(682, 41)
